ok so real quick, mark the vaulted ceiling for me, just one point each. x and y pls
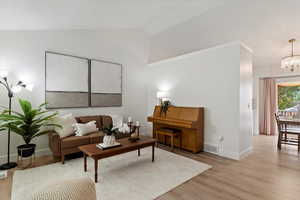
(263, 25)
(152, 16)
(174, 27)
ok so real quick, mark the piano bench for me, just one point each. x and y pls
(171, 133)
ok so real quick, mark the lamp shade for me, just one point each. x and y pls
(16, 88)
(162, 94)
(3, 73)
(29, 87)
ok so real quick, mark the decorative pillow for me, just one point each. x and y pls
(84, 129)
(86, 119)
(66, 122)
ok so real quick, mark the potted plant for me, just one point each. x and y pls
(164, 107)
(110, 132)
(29, 123)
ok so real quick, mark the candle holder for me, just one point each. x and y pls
(131, 127)
(134, 132)
(138, 130)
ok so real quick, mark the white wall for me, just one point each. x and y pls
(209, 79)
(22, 54)
(246, 116)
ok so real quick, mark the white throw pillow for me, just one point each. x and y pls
(84, 129)
(66, 122)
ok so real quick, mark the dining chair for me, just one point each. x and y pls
(283, 129)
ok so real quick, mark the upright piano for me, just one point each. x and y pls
(190, 122)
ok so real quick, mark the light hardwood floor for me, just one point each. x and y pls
(265, 174)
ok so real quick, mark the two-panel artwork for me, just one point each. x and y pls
(74, 82)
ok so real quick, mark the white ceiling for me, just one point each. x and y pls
(175, 26)
(263, 25)
(152, 16)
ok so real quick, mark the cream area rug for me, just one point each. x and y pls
(125, 176)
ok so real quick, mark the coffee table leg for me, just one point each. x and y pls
(153, 147)
(139, 152)
(96, 171)
(85, 162)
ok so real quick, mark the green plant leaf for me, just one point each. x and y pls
(41, 133)
(29, 123)
(6, 111)
(43, 105)
(9, 117)
(45, 118)
(25, 105)
(54, 125)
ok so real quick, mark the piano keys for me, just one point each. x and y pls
(189, 120)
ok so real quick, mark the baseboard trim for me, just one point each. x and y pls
(222, 152)
(245, 152)
(236, 155)
(230, 154)
(13, 157)
(211, 148)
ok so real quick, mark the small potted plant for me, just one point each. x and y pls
(29, 123)
(110, 132)
(164, 107)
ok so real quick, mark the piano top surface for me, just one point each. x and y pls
(179, 113)
(187, 117)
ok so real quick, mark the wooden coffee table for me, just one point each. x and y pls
(96, 153)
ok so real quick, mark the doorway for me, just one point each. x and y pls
(277, 95)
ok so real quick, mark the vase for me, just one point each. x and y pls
(109, 139)
(26, 150)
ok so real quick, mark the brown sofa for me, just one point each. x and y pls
(68, 145)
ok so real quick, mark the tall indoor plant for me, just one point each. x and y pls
(29, 123)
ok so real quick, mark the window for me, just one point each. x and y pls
(288, 96)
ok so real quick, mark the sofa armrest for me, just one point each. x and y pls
(55, 143)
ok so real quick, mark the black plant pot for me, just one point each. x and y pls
(26, 150)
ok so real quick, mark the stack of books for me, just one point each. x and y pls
(105, 146)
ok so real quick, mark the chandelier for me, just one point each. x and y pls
(291, 62)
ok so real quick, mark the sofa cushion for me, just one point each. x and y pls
(96, 137)
(66, 123)
(86, 119)
(74, 141)
(82, 129)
